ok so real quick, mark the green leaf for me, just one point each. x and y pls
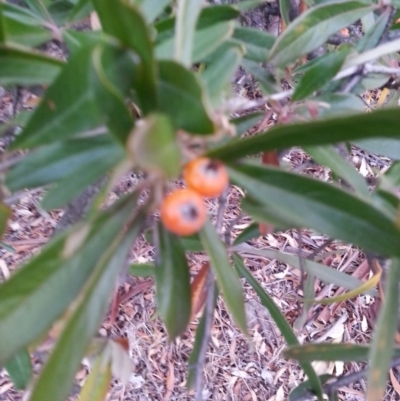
(63, 160)
(19, 368)
(245, 5)
(265, 79)
(182, 98)
(172, 283)
(98, 382)
(2, 33)
(68, 107)
(373, 36)
(110, 93)
(382, 146)
(244, 123)
(250, 232)
(206, 41)
(38, 7)
(338, 104)
(81, 9)
(310, 203)
(384, 335)
(280, 321)
(347, 128)
(328, 156)
(142, 269)
(151, 9)
(313, 28)
(302, 391)
(227, 278)
(284, 7)
(326, 274)
(75, 40)
(153, 146)
(58, 374)
(37, 294)
(73, 185)
(188, 12)
(256, 42)
(24, 67)
(23, 27)
(125, 22)
(321, 73)
(218, 74)
(330, 352)
(374, 54)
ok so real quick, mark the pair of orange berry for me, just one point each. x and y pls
(183, 212)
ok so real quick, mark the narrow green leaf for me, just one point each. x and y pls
(302, 391)
(75, 40)
(384, 335)
(256, 42)
(38, 7)
(327, 274)
(206, 41)
(2, 33)
(373, 36)
(24, 67)
(63, 161)
(172, 283)
(382, 146)
(188, 12)
(306, 202)
(153, 146)
(313, 28)
(81, 9)
(244, 123)
(284, 7)
(67, 108)
(322, 72)
(142, 269)
(124, 21)
(347, 128)
(245, 5)
(58, 374)
(37, 294)
(280, 321)
(265, 79)
(19, 368)
(110, 98)
(181, 97)
(328, 156)
(227, 278)
(373, 54)
(218, 74)
(250, 232)
(23, 27)
(98, 382)
(151, 9)
(8, 248)
(73, 185)
(330, 352)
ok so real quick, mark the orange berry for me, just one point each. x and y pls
(205, 176)
(183, 212)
